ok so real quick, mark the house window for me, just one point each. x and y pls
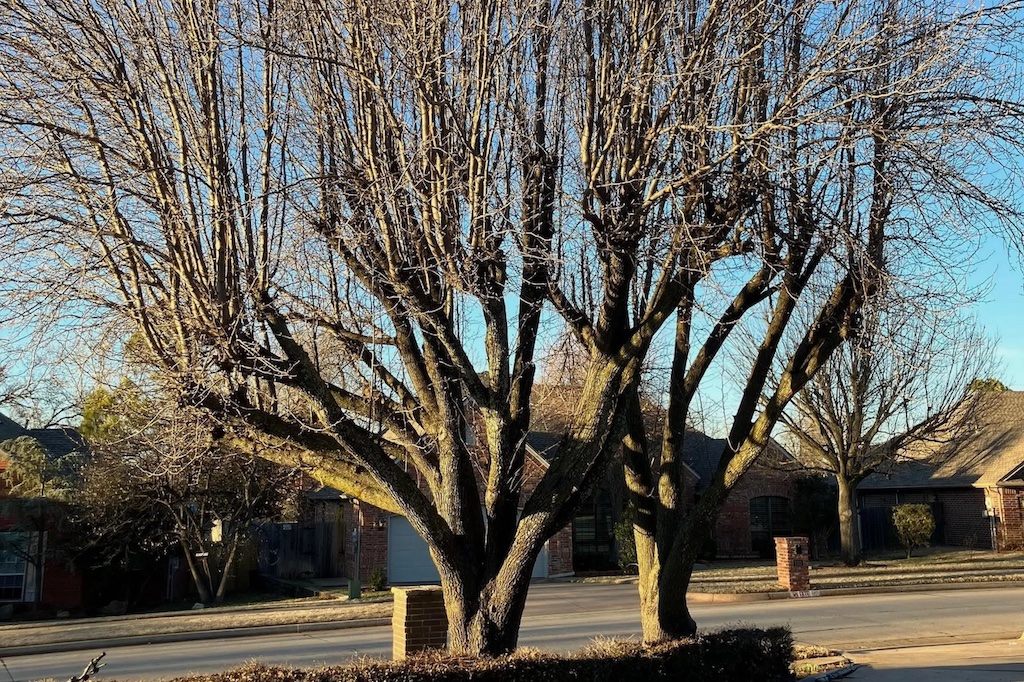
(594, 534)
(769, 518)
(13, 550)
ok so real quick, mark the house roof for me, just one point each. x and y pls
(701, 452)
(10, 428)
(986, 451)
(58, 441)
(544, 444)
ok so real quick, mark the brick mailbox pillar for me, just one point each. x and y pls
(791, 556)
(419, 621)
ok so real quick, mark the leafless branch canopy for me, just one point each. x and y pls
(340, 225)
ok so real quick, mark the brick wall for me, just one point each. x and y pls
(62, 585)
(373, 540)
(1006, 503)
(62, 582)
(560, 552)
(732, 531)
(791, 559)
(963, 520)
(418, 622)
(370, 524)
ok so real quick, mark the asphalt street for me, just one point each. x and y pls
(562, 617)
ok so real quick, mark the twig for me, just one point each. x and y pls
(90, 670)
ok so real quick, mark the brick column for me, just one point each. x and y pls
(791, 557)
(1010, 519)
(419, 621)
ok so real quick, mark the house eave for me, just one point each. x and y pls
(1018, 484)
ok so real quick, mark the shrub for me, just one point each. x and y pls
(377, 581)
(626, 541)
(914, 525)
(729, 656)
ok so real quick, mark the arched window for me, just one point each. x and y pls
(769, 518)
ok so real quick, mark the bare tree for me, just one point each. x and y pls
(336, 225)
(868, 183)
(904, 381)
(157, 475)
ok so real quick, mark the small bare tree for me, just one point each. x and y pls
(904, 381)
(157, 473)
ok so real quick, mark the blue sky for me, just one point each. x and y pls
(1001, 310)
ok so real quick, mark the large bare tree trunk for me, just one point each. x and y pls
(484, 622)
(848, 535)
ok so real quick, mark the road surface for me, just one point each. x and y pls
(562, 617)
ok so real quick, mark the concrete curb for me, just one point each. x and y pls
(834, 674)
(736, 598)
(227, 633)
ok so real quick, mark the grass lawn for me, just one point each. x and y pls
(287, 612)
(934, 565)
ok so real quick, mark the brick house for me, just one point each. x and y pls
(62, 583)
(759, 507)
(974, 482)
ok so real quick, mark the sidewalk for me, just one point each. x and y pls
(1001, 661)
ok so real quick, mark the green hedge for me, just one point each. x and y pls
(746, 655)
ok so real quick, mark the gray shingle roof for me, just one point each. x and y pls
(58, 441)
(702, 453)
(544, 444)
(988, 450)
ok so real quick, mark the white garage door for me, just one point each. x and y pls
(409, 561)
